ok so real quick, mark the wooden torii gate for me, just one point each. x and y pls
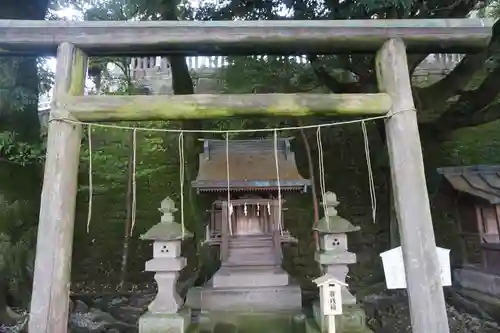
(391, 39)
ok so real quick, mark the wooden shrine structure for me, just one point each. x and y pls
(249, 173)
(475, 194)
(247, 225)
(390, 39)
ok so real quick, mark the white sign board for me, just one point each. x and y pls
(330, 294)
(332, 299)
(394, 270)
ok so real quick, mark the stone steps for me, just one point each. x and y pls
(250, 245)
(253, 250)
(252, 256)
(267, 260)
(256, 276)
(251, 241)
(246, 251)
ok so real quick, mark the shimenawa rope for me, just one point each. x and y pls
(371, 183)
(280, 226)
(229, 220)
(134, 178)
(91, 191)
(181, 179)
(227, 132)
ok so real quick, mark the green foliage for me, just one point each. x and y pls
(14, 99)
(18, 151)
(268, 74)
(45, 75)
(17, 248)
(472, 146)
(17, 260)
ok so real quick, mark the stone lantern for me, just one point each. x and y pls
(333, 255)
(167, 262)
(334, 259)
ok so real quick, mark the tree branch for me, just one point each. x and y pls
(329, 81)
(414, 60)
(436, 95)
(470, 106)
(488, 114)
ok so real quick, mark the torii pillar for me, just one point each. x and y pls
(423, 278)
(54, 246)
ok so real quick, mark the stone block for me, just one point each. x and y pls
(165, 323)
(262, 299)
(167, 300)
(170, 249)
(269, 322)
(251, 241)
(335, 257)
(337, 271)
(474, 279)
(244, 276)
(333, 242)
(251, 260)
(246, 251)
(165, 264)
(352, 320)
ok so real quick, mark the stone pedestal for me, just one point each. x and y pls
(251, 323)
(353, 320)
(165, 322)
(334, 259)
(163, 313)
(167, 300)
(252, 280)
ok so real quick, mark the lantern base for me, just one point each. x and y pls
(165, 322)
(352, 320)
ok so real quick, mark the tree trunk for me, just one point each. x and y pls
(23, 121)
(313, 182)
(128, 218)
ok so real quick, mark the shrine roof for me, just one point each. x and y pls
(252, 166)
(480, 181)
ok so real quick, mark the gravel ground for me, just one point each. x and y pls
(390, 314)
(386, 313)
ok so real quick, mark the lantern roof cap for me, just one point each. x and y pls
(327, 279)
(331, 223)
(167, 229)
(165, 232)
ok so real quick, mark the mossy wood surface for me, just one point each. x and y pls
(108, 38)
(205, 106)
(425, 293)
(52, 272)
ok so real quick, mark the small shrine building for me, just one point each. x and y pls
(247, 180)
(473, 193)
